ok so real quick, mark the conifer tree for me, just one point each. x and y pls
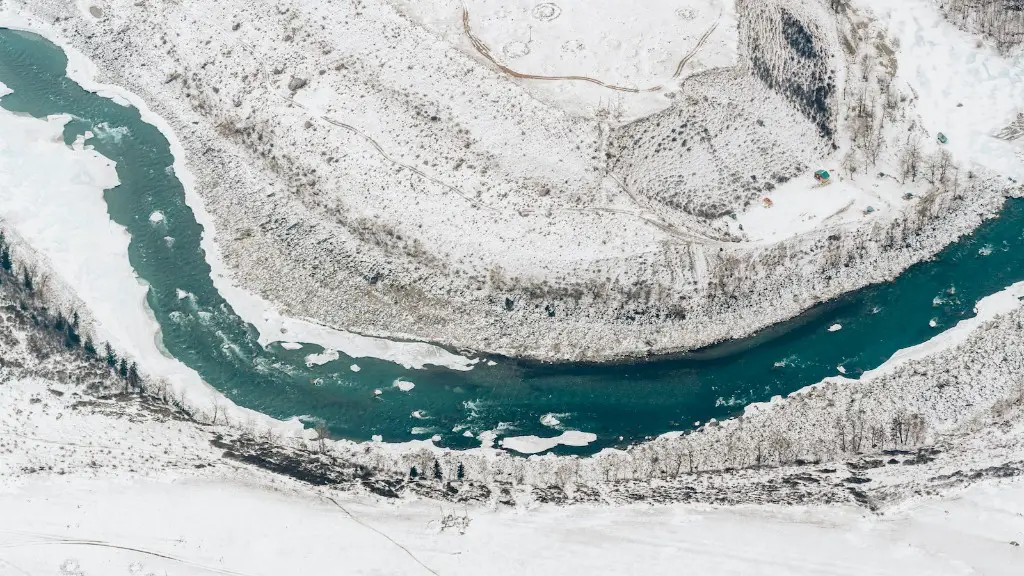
(88, 347)
(122, 369)
(134, 380)
(437, 471)
(109, 355)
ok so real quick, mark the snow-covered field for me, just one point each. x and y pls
(237, 526)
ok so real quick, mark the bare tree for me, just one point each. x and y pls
(910, 159)
(322, 434)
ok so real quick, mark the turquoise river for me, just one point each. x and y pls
(621, 403)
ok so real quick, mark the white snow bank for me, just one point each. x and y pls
(535, 444)
(986, 309)
(52, 195)
(272, 326)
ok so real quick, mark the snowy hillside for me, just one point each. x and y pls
(533, 178)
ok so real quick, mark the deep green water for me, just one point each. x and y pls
(621, 403)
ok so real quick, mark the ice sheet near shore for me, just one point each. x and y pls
(536, 445)
(271, 325)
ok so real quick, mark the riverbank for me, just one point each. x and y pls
(107, 481)
(690, 292)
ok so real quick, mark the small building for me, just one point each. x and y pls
(942, 138)
(822, 176)
(767, 202)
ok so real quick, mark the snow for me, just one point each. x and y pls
(948, 68)
(607, 40)
(113, 491)
(53, 197)
(801, 205)
(535, 444)
(219, 526)
(413, 355)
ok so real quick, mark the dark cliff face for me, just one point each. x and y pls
(791, 55)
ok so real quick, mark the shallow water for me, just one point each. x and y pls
(621, 403)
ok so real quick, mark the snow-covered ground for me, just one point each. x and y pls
(197, 527)
(650, 49)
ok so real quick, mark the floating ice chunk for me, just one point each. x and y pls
(550, 420)
(419, 414)
(378, 392)
(322, 358)
(841, 369)
(435, 438)
(291, 345)
(487, 438)
(835, 328)
(492, 363)
(169, 241)
(403, 385)
(467, 434)
(377, 438)
(156, 217)
(933, 323)
(355, 368)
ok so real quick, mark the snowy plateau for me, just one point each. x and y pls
(547, 180)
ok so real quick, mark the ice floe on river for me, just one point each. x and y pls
(536, 445)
